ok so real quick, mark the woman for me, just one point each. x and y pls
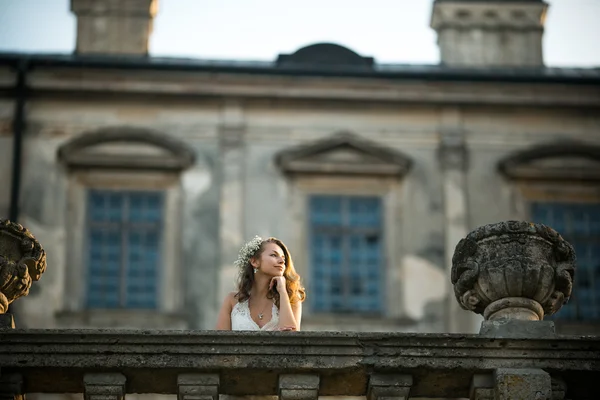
(269, 294)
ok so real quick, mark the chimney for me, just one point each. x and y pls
(114, 26)
(490, 33)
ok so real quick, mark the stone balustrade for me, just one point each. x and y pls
(513, 273)
(298, 364)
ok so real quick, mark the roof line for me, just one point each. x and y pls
(381, 71)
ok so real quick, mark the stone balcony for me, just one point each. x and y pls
(339, 364)
(513, 273)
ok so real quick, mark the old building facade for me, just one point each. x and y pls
(142, 177)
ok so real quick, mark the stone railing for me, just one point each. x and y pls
(513, 273)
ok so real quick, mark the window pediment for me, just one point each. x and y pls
(126, 148)
(344, 154)
(565, 160)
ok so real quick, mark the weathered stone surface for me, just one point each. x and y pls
(389, 386)
(514, 270)
(114, 26)
(126, 147)
(11, 387)
(490, 33)
(7, 321)
(517, 329)
(198, 387)
(298, 386)
(559, 388)
(22, 260)
(104, 386)
(441, 365)
(482, 387)
(522, 384)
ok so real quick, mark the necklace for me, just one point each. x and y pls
(262, 313)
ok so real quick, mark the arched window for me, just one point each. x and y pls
(124, 192)
(560, 187)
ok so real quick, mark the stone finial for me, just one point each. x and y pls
(22, 260)
(513, 270)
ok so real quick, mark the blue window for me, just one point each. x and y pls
(579, 224)
(346, 254)
(123, 253)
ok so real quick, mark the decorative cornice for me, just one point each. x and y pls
(172, 154)
(361, 157)
(573, 160)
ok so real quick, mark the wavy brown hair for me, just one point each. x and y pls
(293, 285)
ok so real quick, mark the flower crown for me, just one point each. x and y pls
(247, 251)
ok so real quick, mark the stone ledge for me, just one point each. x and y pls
(187, 84)
(442, 365)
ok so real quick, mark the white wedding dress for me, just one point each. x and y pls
(241, 320)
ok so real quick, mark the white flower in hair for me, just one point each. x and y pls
(247, 251)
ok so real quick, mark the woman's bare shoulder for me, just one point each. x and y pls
(232, 298)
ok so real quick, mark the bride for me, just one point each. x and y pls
(269, 294)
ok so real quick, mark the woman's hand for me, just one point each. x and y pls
(287, 328)
(279, 283)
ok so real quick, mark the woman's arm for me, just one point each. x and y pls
(297, 310)
(224, 319)
(287, 315)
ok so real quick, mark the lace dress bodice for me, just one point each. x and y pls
(241, 320)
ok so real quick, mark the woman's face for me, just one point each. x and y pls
(271, 261)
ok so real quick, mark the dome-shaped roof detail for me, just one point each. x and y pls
(325, 54)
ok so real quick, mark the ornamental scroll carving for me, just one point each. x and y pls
(513, 269)
(22, 260)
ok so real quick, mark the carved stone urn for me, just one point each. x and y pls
(513, 270)
(22, 260)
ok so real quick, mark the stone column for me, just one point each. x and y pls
(198, 387)
(453, 157)
(298, 387)
(523, 384)
(231, 205)
(389, 386)
(108, 386)
(11, 387)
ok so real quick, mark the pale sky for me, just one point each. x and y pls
(392, 31)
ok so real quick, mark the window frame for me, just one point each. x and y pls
(578, 239)
(170, 301)
(528, 192)
(390, 191)
(124, 227)
(345, 232)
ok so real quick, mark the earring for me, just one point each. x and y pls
(255, 270)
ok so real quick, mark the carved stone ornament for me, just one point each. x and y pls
(513, 270)
(22, 260)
